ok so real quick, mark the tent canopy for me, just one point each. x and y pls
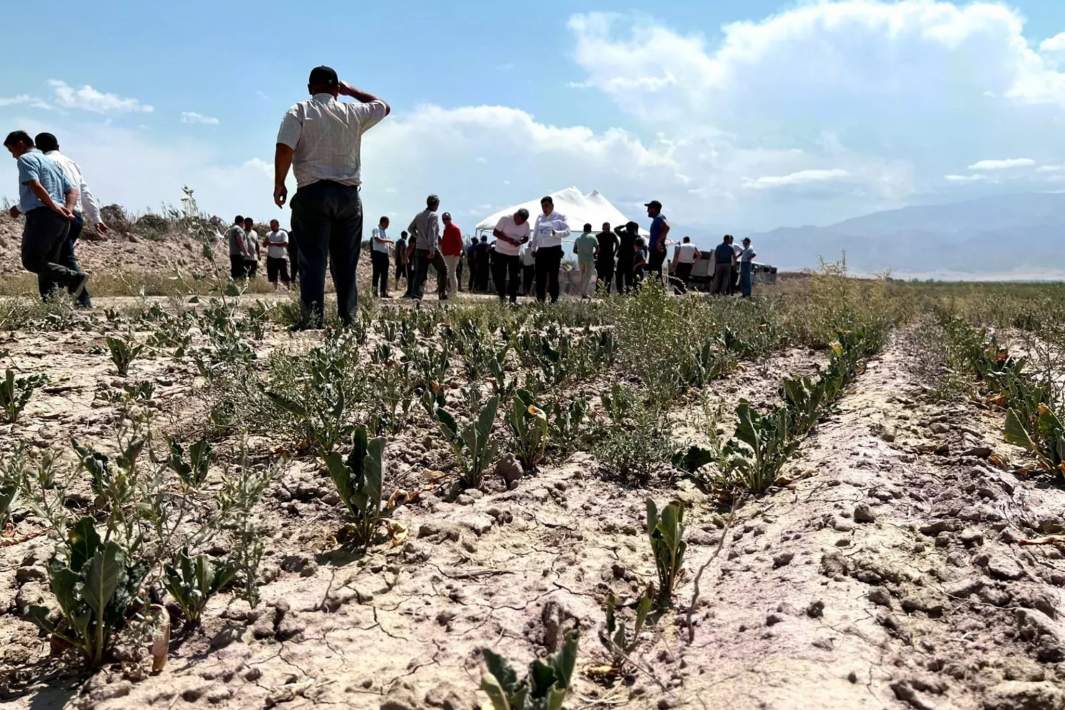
(579, 209)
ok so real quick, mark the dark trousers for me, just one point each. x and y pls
(507, 274)
(401, 270)
(604, 273)
(420, 264)
(528, 277)
(44, 239)
(379, 280)
(237, 268)
(548, 261)
(251, 267)
(722, 274)
(277, 268)
(734, 279)
(654, 263)
(626, 279)
(441, 273)
(684, 272)
(293, 257)
(328, 221)
(70, 260)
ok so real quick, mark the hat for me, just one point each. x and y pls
(324, 75)
(653, 203)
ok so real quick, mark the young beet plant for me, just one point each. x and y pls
(358, 481)
(528, 424)
(123, 352)
(193, 580)
(545, 687)
(666, 533)
(472, 444)
(619, 642)
(15, 393)
(191, 468)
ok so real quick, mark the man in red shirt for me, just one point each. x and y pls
(451, 249)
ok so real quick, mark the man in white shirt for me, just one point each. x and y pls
(379, 243)
(684, 257)
(551, 227)
(321, 140)
(89, 212)
(277, 255)
(511, 232)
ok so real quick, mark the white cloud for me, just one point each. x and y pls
(966, 178)
(1050, 169)
(802, 177)
(25, 100)
(1007, 164)
(198, 118)
(87, 98)
(1053, 44)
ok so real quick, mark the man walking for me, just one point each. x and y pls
(47, 199)
(321, 140)
(585, 247)
(451, 250)
(277, 256)
(658, 233)
(607, 246)
(684, 257)
(425, 233)
(511, 233)
(90, 208)
(724, 258)
(551, 227)
(379, 260)
(627, 235)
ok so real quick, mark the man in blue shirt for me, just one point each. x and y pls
(47, 199)
(657, 244)
(724, 260)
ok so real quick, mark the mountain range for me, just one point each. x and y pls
(1016, 236)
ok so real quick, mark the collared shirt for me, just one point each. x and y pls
(326, 136)
(549, 230)
(686, 253)
(517, 232)
(35, 165)
(425, 230)
(89, 206)
(235, 236)
(379, 233)
(277, 244)
(585, 247)
(657, 225)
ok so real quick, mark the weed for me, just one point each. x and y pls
(123, 352)
(15, 393)
(619, 642)
(193, 580)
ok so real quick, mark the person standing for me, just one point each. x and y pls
(451, 250)
(627, 235)
(724, 258)
(321, 140)
(47, 199)
(747, 257)
(277, 256)
(90, 208)
(251, 248)
(684, 257)
(425, 234)
(734, 280)
(401, 257)
(658, 234)
(484, 261)
(237, 250)
(379, 261)
(293, 255)
(607, 245)
(585, 248)
(551, 227)
(528, 268)
(511, 233)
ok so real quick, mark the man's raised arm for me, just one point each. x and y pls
(346, 89)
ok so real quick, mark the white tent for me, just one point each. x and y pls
(579, 209)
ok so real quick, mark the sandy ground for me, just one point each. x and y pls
(886, 573)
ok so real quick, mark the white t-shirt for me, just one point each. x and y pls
(747, 255)
(277, 244)
(686, 254)
(517, 232)
(549, 230)
(379, 233)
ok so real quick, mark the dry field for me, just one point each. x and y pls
(857, 488)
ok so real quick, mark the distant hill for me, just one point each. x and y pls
(1009, 236)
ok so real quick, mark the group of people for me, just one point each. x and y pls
(246, 251)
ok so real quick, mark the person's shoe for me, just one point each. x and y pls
(78, 286)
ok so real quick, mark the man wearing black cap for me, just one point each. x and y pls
(658, 232)
(321, 139)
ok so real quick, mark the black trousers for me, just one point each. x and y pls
(68, 259)
(528, 277)
(401, 270)
(422, 260)
(293, 256)
(328, 221)
(626, 278)
(237, 268)
(548, 261)
(277, 268)
(379, 280)
(507, 275)
(655, 261)
(684, 272)
(604, 273)
(44, 238)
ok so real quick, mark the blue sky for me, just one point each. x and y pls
(740, 115)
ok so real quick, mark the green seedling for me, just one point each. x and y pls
(191, 469)
(666, 533)
(123, 352)
(358, 480)
(15, 393)
(193, 580)
(472, 444)
(544, 687)
(619, 642)
(528, 424)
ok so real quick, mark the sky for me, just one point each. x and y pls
(736, 115)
